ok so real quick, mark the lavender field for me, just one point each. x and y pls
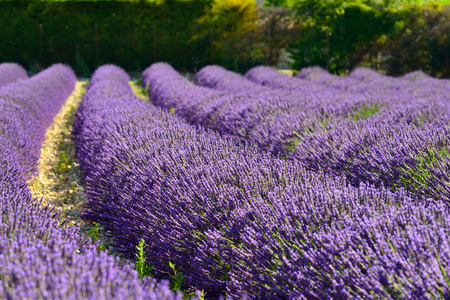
(257, 186)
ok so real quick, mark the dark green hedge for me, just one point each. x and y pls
(130, 34)
(335, 34)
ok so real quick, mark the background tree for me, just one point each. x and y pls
(230, 25)
(276, 31)
(337, 34)
(421, 41)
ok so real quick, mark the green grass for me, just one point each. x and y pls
(416, 178)
(94, 233)
(177, 279)
(364, 112)
(138, 89)
(64, 162)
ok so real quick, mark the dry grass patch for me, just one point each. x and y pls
(58, 181)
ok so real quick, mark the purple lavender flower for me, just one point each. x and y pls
(11, 72)
(40, 259)
(240, 221)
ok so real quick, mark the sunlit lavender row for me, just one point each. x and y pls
(403, 143)
(40, 258)
(28, 108)
(360, 80)
(396, 141)
(417, 84)
(237, 221)
(11, 72)
(348, 199)
(415, 98)
(241, 108)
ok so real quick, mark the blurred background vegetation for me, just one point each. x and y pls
(392, 36)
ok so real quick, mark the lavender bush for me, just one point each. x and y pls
(402, 144)
(241, 106)
(360, 80)
(414, 85)
(150, 175)
(40, 258)
(28, 108)
(234, 220)
(11, 72)
(313, 74)
(415, 98)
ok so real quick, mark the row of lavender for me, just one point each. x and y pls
(362, 80)
(405, 142)
(236, 106)
(237, 221)
(414, 98)
(11, 72)
(39, 257)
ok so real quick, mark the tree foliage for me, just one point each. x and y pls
(397, 36)
(337, 34)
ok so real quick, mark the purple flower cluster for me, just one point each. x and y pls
(40, 258)
(266, 76)
(312, 74)
(238, 221)
(28, 108)
(195, 103)
(414, 85)
(240, 107)
(415, 98)
(404, 143)
(216, 77)
(383, 154)
(11, 72)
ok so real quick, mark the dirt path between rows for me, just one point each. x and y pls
(58, 181)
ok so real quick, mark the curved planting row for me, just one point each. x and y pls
(270, 77)
(232, 220)
(28, 108)
(390, 155)
(390, 149)
(403, 146)
(307, 96)
(420, 99)
(361, 80)
(11, 72)
(214, 77)
(198, 106)
(413, 99)
(240, 107)
(312, 74)
(40, 258)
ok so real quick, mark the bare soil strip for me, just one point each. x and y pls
(58, 181)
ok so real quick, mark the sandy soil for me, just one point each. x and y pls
(58, 181)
